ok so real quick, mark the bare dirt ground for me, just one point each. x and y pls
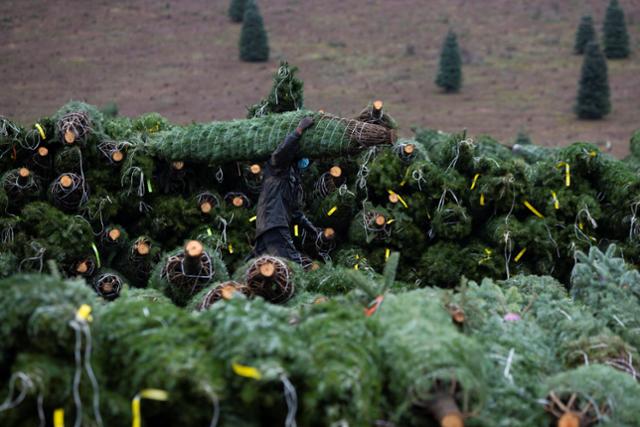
(180, 58)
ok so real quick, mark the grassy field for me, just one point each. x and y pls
(181, 59)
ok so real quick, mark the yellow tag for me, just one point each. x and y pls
(390, 221)
(41, 131)
(295, 230)
(556, 202)
(230, 248)
(149, 188)
(488, 251)
(58, 417)
(135, 412)
(402, 183)
(154, 394)
(567, 173)
(149, 393)
(355, 267)
(84, 313)
(95, 251)
(209, 231)
(532, 209)
(253, 218)
(517, 258)
(581, 226)
(400, 199)
(593, 153)
(357, 256)
(475, 180)
(246, 371)
(387, 252)
(481, 199)
(332, 210)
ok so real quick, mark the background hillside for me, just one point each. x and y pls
(181, 59)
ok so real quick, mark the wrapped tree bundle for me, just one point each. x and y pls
(431, 365)
(185, 271)
(256, 139)
(263, 357)
(603, 282)
(53, 235)
(594, 394)
(347, 384)
(36, 310)
(287, 93)
(155, 344)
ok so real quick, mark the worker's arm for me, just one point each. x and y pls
(288, 150)
(299, 218)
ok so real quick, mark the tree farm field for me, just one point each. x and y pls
(181, 60)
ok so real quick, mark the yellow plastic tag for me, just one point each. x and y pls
(593, 153)
(402, 183)
(230, 248)
(332, 210)
(475, 180)
(253, 218)
(41, 131)
(400, 199)
(246, 371)
(391, 221)
(532, 209)
(58, 417)
(355, 267)
(95, 251)
(295, 230)
(209, 232)
(149, 393)
(581, 226)
(154, 394)
(520, 254)
(149, 187)
(387, 252)
(84, 313)
(481, 199)
(567, 173)
(556, 202)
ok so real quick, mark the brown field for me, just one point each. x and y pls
(180, 59)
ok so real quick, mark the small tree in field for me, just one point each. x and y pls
(254, 45)
(593, 94)
(585, 34)
(450, 72)
(616, 38)
(236, 10)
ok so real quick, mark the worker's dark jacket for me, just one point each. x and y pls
(281, 195)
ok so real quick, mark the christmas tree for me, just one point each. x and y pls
(450, 72)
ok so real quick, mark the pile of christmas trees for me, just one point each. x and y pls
(154, 311)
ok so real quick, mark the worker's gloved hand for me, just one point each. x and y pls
(304, 124)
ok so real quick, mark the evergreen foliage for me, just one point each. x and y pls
(450, 72)
(236, 10)
(615, 36)
(585, 34)
(254, 43)
(593, 94)
(287, 93)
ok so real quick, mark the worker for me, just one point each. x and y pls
(279, 205)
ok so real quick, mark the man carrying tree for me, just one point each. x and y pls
(281, 198)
